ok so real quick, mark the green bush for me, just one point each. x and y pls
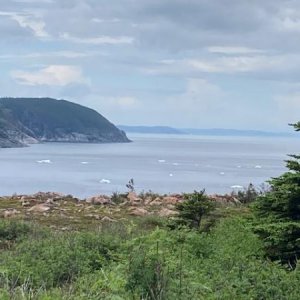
(55, 260)
(14, 230)
(194, 208)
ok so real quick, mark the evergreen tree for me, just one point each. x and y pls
(194, 208)
(278, 212)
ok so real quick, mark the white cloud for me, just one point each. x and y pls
(233, 50)
(98, 20)
(199, 95)
(127, 102)
(34, 23)
(33, 1)
(54, 75)
(231, 64)
(228, 64)
(121, 102)
(105, 39)
(288, 19)
(54, 54)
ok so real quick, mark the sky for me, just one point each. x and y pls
(180, 63)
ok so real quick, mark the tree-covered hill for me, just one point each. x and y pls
(27, 120)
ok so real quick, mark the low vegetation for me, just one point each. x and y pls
(154, 247)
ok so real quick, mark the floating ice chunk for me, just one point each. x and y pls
(238, 167)
(171, 175)
(222, 173)
(258, 167)
(44, 161)
(237, 187)
(175, 164)
(161, 160)
(105, 181)
(84, 162)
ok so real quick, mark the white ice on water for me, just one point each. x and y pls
(105, 181)
(237, 187)
(44, 161)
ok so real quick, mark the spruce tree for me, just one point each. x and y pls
(278, 213)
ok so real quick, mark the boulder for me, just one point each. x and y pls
(148, 200)
(26, 203)
(170, 200)
(133, 198)
(40, 208)
(108, 219)
(156, 202)
(9, 213)
(99, 200)
(165, 212)
(140, 212)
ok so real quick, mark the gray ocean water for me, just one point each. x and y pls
(161, 163)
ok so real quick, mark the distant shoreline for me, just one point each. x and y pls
(203, 132)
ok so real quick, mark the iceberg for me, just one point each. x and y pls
(44, 161)
(106, 181)
(237, 187)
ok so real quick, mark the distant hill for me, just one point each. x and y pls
(233, 132)
(32, 120)
(205, 132)
(150, 129)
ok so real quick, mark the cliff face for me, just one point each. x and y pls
(25, 121)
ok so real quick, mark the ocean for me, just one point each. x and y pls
(160, 163)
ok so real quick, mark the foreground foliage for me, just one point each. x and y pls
(124, 263)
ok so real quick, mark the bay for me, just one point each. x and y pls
(161, 163)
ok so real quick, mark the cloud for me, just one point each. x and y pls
(54, 75)
(35, 24)
(121, 102)
(33, 1)
(201, 93)
(99, 40)
(53, 54)
(233, 50)
(254, 64)
(163, 57)
(288, 107)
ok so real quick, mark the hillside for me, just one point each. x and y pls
(32, 120)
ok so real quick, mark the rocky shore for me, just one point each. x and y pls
(68, 213)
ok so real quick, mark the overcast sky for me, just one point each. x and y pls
(182, 63)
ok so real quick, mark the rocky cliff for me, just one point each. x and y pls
(32, 120)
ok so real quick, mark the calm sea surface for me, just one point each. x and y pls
(160, 163)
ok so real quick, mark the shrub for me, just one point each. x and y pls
(194, 208)
(55, 260)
